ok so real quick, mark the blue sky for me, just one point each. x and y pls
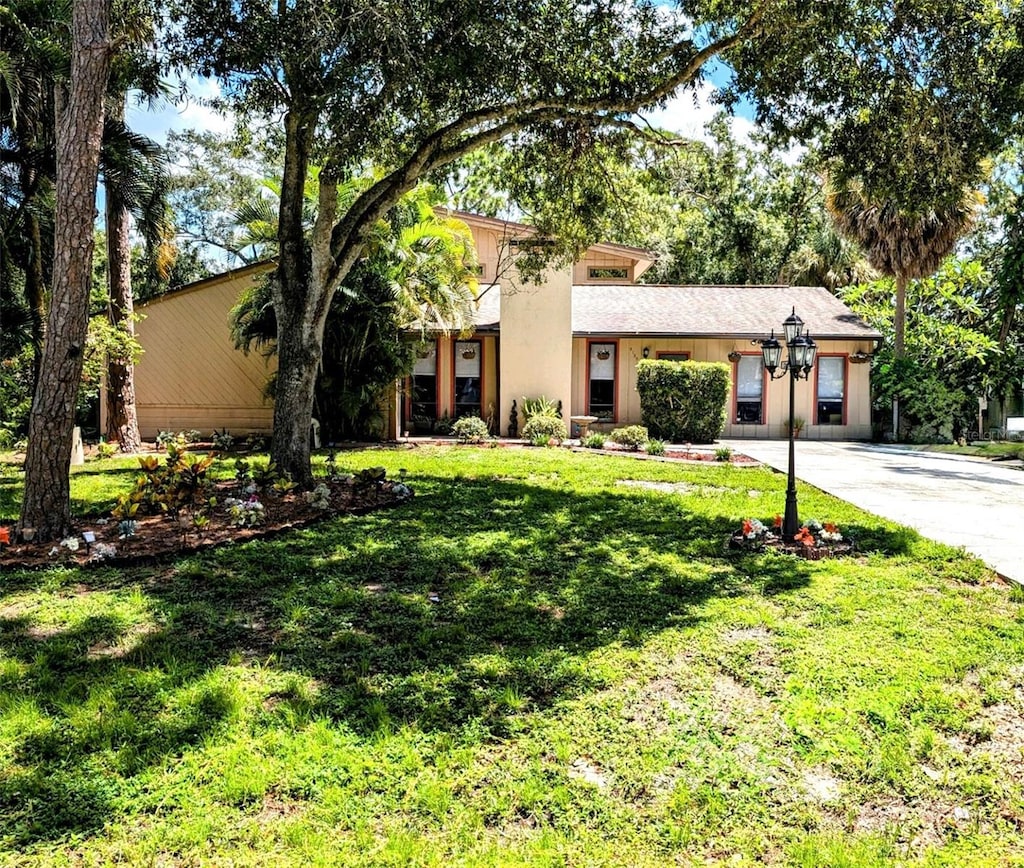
(685, 114)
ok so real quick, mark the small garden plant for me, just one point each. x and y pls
(545, 431)
(470, 429)
(595, 440)
(544, 425)
(655, 447)
(632, 437)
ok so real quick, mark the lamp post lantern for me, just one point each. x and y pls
(799, 361)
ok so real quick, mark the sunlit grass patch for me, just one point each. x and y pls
(530, 663)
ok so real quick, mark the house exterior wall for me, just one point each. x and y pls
(190, 375)
(595, 259)
(776, 401)
(497, 259)
(536, 343)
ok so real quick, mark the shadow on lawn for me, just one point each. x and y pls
(478, 600)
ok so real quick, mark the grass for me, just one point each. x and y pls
(994, 449)
(531, 663)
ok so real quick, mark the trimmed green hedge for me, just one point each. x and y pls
(683, 402)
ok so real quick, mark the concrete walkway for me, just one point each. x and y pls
(956, 500)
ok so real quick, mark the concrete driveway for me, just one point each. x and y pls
(960, 501)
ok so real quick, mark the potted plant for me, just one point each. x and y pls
(798, 426)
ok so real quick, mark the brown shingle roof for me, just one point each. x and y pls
(705, 311)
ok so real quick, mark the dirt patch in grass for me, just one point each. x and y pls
(123, 646)
(916, 824)
(159, 536)
(275, 808)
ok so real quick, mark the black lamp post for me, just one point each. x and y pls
(799, 361)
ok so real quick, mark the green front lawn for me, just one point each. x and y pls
(531, 663)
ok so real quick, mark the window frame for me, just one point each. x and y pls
(480, 353)
(736, 391)
(663, 355)
(409, 386)
(615, 380)
(846, 387)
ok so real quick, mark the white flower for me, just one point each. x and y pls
(102, 551)
(70, 543)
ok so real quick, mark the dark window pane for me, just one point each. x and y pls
(830, 412)
(748, 412)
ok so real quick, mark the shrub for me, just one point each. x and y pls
(540, 429)
(444, 424)
(723, 453)
(222, 441)
(541, 406)
(470, 429)
(683, 403)
(595, 440)
(632, 436)
(655, 447)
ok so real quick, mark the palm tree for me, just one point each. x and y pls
(827, 260)
(418, 271)
(900, 242)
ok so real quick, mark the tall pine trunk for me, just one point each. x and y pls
(122, 418)
(46, 505)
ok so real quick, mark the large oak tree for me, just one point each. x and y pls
(409, 88)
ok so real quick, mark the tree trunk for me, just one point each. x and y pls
(47, 505)
(299, 341)
(122, 418)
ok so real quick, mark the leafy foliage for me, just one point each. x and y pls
(633, 437)
(683, 402)
(541, 428)
(418, 273)
(470, 429)
(931, 410)
(950, 347)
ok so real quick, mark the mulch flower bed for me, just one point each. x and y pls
(156, 537)
(814, 541)
(799, 549)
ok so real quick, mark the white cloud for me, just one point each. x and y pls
(689, 111)
(192, 113)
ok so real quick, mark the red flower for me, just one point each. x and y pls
(778, 521)
(805, 536)
(748, 526)
(831, 528)
(5, 536)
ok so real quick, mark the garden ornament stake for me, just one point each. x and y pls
(798, 363)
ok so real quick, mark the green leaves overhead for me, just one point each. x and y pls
(911, 96)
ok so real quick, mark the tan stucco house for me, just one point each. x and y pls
(575, 338)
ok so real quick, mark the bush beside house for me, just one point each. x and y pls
(683, 402)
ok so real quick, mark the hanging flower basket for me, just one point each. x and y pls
(423, 353)
(604, 355)
(469, 354)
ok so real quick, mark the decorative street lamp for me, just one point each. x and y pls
(799, 362)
